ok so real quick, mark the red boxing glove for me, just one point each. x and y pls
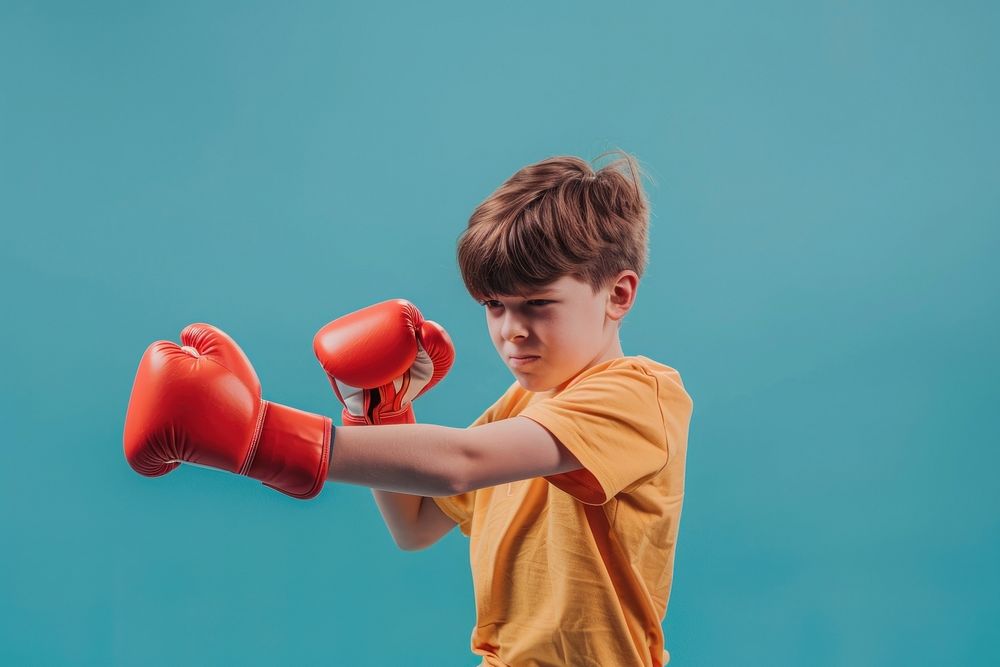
(200, 402)
(380, 358)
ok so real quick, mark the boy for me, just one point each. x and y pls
(569, 486)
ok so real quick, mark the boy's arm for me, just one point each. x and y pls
(432, 524)
(399, 511)
(415, 459)
(431, 460)
(414, 521)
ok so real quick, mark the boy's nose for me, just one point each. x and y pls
(512, 328)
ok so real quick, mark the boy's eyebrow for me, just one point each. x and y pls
(541, 292)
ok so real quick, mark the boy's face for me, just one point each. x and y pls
(549, 336)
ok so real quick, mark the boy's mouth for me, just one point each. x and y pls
(523, 360)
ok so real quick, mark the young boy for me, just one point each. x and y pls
(569, 486)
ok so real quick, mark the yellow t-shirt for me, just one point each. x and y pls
(575, 569)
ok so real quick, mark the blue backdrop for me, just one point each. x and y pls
(824, 187)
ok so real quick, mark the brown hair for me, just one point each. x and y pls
(555, 218)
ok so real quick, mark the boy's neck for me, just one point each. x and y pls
(615, 352)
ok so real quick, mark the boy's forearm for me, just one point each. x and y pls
(417, 459)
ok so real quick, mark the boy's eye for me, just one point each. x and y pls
(490, 303)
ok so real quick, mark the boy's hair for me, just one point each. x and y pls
(555, 218)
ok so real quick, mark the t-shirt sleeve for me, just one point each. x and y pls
(612, 421)
(459, 508)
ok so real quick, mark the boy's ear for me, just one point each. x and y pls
(621, 296)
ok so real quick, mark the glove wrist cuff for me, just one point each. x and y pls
(292, 450)
(404, 416)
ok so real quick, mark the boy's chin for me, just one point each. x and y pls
(532, 383)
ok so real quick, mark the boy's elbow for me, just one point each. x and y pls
(405, 542)
(412, 545)
(406, 546)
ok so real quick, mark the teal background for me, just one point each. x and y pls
(824, 183)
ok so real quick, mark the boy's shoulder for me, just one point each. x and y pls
(657, 368)
(625, 378)
(624, 365)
